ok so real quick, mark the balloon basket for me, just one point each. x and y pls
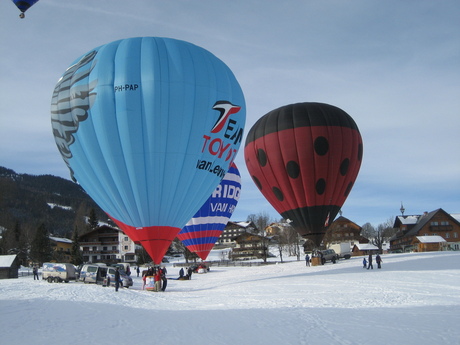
(315, 261)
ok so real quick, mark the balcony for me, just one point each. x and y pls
(440, 228)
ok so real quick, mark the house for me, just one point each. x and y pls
(250, 246)
(62, 248)
(364, 249)
(429, 243)
(233, 230)
(344, 230)
(107, 244)
(9, 266)
(434, 223)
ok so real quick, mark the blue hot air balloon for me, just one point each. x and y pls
(24, 5)
(148, 127)
(201, 233)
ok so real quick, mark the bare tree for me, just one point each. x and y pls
(383, 233)
(368, 231)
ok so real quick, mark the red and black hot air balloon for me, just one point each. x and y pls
(305, 158)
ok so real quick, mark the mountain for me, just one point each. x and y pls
(33, 200)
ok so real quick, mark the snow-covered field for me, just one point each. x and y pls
(413, 299)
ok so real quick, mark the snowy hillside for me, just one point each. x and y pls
(413, 299)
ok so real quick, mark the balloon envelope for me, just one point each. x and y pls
(148, 127)
(24, 5)
(203, 230)
(304, 158)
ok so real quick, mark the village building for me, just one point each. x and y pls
(232, 230)
(434, 223)
(107, 244)
(250, 246)
(62, 248)
(9, 266)
(364, 249)
(429, 243)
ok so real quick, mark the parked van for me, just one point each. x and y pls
(55, 272)
(110, 278)
(93, 273)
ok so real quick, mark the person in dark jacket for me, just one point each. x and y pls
(370, 262)
(378, 260)
(117, 279)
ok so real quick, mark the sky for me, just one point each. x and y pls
(413, 300)
(393, 66)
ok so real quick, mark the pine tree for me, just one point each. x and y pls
(77, 258)
(41, 250)
(93, 222)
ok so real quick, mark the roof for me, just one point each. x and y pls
(430, 239)
(366, 246)
(6, 260)
(59, 239)
(407, 220)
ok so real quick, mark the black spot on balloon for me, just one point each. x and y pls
(360, 152)
(320, 186)
(278, 193)
(257, 182)
(349, 187)
(344, 166)
(262, 157)
(293, 169)
(321, 146)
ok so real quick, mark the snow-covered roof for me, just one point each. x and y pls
(366, 246)
(430, 239)
(456, 216)
(59, 239)
(6, 260)
(406, 220)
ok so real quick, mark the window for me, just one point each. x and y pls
(455, 235)
(445, 223)
(126, 247)
(434, 223)
(114, 247)
(104, 248)
(447, 235)
(126, 238)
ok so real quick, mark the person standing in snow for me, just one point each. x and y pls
(189, 273)
(364, 263)
(164, 280)
(138, 271)
(157, 279)
(378, 260)
(181, 273)
(35, 270)
(307, 260)
(117, 279)
(370, 262)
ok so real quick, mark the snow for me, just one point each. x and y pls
(413, 299)
(67, 208)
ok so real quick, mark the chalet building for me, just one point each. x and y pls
(107, 244)
(250, 246)
(434, 223)
(364, 249)
(233, 230)
(9, 266)
(62, 248)
(344, 230)
(429, 243)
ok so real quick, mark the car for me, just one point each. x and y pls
(328, 255)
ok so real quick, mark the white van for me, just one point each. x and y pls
(126, 280)
(93, 273)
